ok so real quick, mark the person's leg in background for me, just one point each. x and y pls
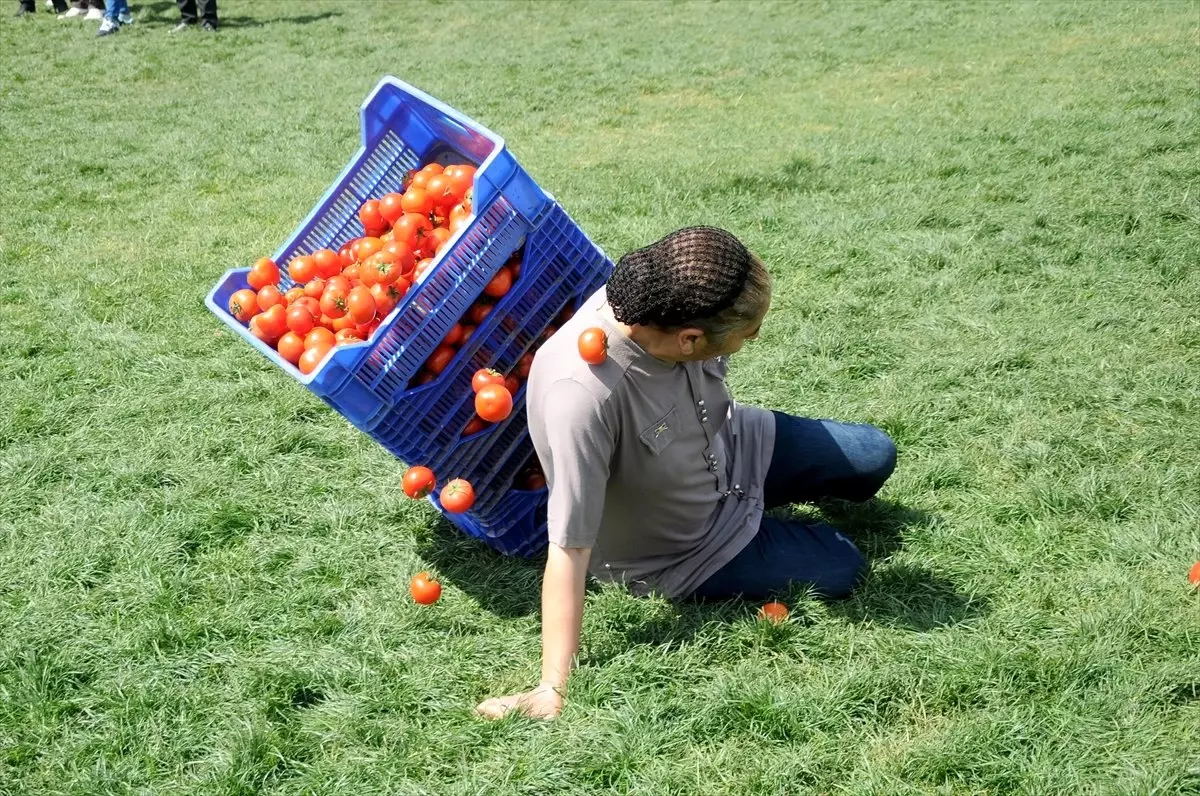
(95, 9)
(112, 17)
(26, 7)
(208, 14)
(187, 14)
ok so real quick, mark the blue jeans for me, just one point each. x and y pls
(812, 460)
(115, 8)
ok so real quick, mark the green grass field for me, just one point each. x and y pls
(982, 219)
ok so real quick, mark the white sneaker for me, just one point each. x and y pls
(72, 13)
(94, 13)
(108, 27)
(126, 18)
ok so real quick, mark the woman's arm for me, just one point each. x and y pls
(562, 615)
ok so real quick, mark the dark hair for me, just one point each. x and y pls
(697, 276)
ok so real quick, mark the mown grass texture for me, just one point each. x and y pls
(982, 223)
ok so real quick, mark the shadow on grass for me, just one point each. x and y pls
(167, 11)
(901, 595)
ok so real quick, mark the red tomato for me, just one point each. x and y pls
(421, 267)
(360, 305)
(478, 312)
(424, 589)
(243, 305)
(476, 425)
(435, 239)
(402, 254)
(493, 402)
(390, 208)
(333, 301)
(257, 331)
(457, 496)
(348, 336)
(774, 611)
(1194, 574)
(433, 168)
(312, 357)
(454, 336)
(314, 287)
(311, 304)
(302, 269)
(418, 481)
(328, 263)
(273, 321)
(264, 272)
(459, 181)
(512, 384)
(300, 320)
(501, 283)
(418, 179)
(268, 296)
(438, 189)
(293, 294)
(484, 377)
(344, 322)
(320, 337)
(416, 200)
(440, 358)
(339, 281)
(524, 365)
(534, 481)
(347, 253)
(291, 347)
(366, 247)
(354, 272)
(593, 346)
(386, 297)
(466, 334)
(411, 230)
(369, 215)
(459, 216)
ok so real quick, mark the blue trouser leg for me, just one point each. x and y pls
(812, 460)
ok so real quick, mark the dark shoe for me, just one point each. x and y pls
(210, 27)
(22, 12)
(181, 27)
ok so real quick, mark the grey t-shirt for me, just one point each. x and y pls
(650, 464)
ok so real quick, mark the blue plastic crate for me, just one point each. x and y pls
(368, 383)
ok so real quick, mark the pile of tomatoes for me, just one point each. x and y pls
(342, 296)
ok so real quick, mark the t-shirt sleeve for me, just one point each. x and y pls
(577, 458)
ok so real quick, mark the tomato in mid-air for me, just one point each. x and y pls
(243, 305)
(424, 589)
(264, 272)
(493, 402)
(593, 346)
(418, 481)
(774, 611)
(1194, 574)
(484, 377)
(457, 496)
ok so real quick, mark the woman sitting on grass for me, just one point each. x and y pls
(657, 478)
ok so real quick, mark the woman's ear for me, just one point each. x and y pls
(689, 340)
